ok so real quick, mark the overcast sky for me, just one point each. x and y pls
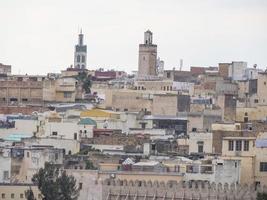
(38, 36)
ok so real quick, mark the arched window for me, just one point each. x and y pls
(78, 58)
(83, 59)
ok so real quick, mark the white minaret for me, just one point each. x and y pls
(80, 54)
(147, 57)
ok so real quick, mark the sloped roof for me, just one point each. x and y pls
(100, 113)
(87, 121)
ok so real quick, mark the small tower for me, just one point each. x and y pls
(80, 54)
(148, 37)
(147, 65)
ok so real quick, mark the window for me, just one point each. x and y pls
(54, 133)
(230, 145)
(6, 175)
(13, 99)
(200, 146)
(78, 58)
(256, 101)
(139, 183)
(83, 59)
(246, 145)
(168, 75)
(264, 83)
(12, 196)
(75, 136)
(80, 186)
(67, 94)
(24, 99)
(3, 195)
(143, 125)
(56, 156)
(238, 145)
(263, 166)
(21, 196)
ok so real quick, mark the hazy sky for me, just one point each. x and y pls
(38, 36)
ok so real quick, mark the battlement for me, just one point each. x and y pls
(113, 189)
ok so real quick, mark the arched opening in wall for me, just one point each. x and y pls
(69, 152)
(83, 66)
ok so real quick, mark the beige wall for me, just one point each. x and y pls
(17, 190)
(147, 60)
(154, 85)
(165, 177)
(253, 113)
(261, 156)
(195, 137)
(21, 90)
(164, 105)
(54, 90)
(247, 158)
(262, 88)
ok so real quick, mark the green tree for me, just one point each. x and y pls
(89, 165)
(85, 80)
(55, 185)
(29, 194)
(261, 196)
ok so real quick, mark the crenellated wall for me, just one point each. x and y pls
(122, 189)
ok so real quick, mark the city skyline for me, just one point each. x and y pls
(41, 35)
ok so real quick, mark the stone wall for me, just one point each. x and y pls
(25, 110)
(172, 190)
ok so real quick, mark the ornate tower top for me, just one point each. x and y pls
(80, 38)
(80, 54)
(148, 38)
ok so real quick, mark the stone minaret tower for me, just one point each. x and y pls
(80, 54)
(147, 57)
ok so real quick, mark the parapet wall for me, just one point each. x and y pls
(113, 189)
